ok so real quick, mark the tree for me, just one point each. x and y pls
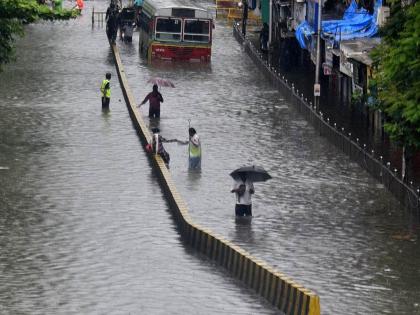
(398, 78)
(16, 13)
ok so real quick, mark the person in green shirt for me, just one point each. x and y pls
(106, 91)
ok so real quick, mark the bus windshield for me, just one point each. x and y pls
(168, 29)
(197, 31)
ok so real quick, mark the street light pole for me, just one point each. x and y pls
(317, 86)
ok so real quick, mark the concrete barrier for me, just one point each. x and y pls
(280, 291)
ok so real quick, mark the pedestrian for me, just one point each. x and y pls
(243, 189)
(111, 18)
(157, 146)
(154, 98)
(106, 91)
(194, 150)
(138, 7)
(264, 36)
(244, 16)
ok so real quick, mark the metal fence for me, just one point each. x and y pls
(407, 194)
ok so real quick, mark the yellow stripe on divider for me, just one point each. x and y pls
(280, 291)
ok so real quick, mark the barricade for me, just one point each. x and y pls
(280, 291)
(407, 194)
(98, 16)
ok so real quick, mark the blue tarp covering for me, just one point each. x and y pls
(303, 33)
(356, 23)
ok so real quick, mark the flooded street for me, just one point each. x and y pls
(85, 228)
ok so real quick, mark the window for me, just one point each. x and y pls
(197, 31)
(168, 29)
(144, 21)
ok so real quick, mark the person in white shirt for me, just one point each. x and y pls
(243, 189)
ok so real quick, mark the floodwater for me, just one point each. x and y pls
(85, 227)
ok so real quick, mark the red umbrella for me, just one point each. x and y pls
(161, 82)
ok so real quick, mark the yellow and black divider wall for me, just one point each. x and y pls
(286, 295)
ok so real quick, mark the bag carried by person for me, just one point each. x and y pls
(241, 189)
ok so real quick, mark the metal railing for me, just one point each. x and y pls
(381, 170)
(98, 16)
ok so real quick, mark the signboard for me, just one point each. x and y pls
(329, 57)
(317, 89)
(346, 67)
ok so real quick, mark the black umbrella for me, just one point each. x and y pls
(253, 173)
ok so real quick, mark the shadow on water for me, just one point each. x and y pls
(154, 123)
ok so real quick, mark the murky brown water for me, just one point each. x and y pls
(86, 228)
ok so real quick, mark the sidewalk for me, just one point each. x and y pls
(299, 70)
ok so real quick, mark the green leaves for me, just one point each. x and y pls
(15, 13)
(398, 75)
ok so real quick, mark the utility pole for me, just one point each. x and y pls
(270, 22)
(317, 86)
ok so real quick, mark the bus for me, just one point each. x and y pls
(171, 32)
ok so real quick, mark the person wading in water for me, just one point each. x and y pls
(106, 91)
(154, 98)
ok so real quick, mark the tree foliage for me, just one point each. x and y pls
(398, 75)
(15, 13)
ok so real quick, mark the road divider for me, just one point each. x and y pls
(283, 293)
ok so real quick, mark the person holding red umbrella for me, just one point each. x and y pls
(154, 98)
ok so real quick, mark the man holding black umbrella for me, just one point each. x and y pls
(243, 188)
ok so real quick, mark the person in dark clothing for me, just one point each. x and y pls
(154, 98)
(111, 18)
(264, 35)
(244, 16)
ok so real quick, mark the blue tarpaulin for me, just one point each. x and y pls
(356, 23)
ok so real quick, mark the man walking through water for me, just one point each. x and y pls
(154, 98)
(244, 16)
(106, 91)
(111, 18)
(243, 188)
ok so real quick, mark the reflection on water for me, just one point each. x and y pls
(322, 220)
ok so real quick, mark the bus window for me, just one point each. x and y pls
(197, 31)
(168, 29)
